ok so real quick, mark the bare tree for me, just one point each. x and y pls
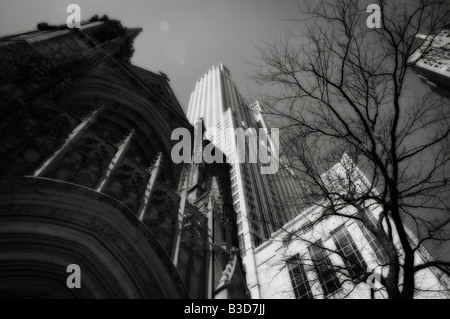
(333, 84)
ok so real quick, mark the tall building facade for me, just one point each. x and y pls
(332, 259)
(270, 214)
(256, 196)
(86, 176)
(432, 59)
(286, 186)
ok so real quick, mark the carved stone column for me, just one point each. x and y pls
(156, 168)
(209, 252)
(123, 147)
(73, 137)
(177, 235)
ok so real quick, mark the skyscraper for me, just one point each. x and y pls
(256, 196)
(432, 59)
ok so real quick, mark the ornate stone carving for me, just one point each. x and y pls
(128, 184)
(162, 215)
(194, 231)
(29, 139)
(85, 162)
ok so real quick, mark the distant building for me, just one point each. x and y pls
(86, 176)
(432, 59)
(329, 259)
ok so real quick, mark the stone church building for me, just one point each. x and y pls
(86, 176)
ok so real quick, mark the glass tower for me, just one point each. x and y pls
(256, 197)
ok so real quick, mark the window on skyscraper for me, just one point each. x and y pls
(256, 240)
(241, 245)
(239, 227)
(299, 280)
(367, 214)
(255, 227)
(324, 269)
(374, 244)
(348, 251)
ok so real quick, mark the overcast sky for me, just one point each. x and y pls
(182, 38)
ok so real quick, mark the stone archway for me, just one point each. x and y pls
(45, 225)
